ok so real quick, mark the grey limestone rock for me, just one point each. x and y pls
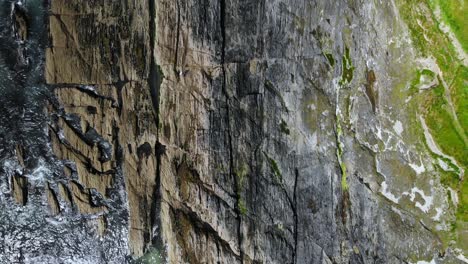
(222, 131)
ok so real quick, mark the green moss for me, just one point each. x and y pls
(339, 154)
(414, 86)
(428, 73)
(447, 128)
(274, 167)
(449, 178)
(442, 127)
(451, 166)
(284, 127)
(330, 59)
(430, 41)
(426, 35)
(344, 182)
(241, 174)
(459, 94)
(462, 210)
(347, 76)
(347, 68)
(454, 15)
(242, 206)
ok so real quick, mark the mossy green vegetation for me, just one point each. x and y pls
(428, 72)
(347, 68)
(242, 206)
(346, 77)
(274, 167)
(339, 154)
(241, 173)
(449, 178)
(434, 102)
(441, 124)
(459, 92)
(444, 106)
(426, 35)
(330, 59)
(453, 13)
(462, 210)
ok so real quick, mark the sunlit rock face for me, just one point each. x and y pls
(233, 131)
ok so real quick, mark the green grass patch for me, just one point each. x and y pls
(441, 126)
(454, 13)
(433, 104)
(426, 35)
(462, 210)
(448, 178)
(414, 87)
(430, 41)
(459, 94)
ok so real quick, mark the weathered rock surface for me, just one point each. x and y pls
(226, 131)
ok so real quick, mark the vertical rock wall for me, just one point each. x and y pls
(283, 128)
(228, 131)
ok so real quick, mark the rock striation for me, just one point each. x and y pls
(235, 131)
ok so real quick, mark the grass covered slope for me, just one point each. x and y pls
(440, 91)
(454, 13)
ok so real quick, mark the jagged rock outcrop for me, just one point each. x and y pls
(106, 125)
(234, 131)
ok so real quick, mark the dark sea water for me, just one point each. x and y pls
(23, 93)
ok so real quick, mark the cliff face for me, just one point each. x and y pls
(233, 131)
